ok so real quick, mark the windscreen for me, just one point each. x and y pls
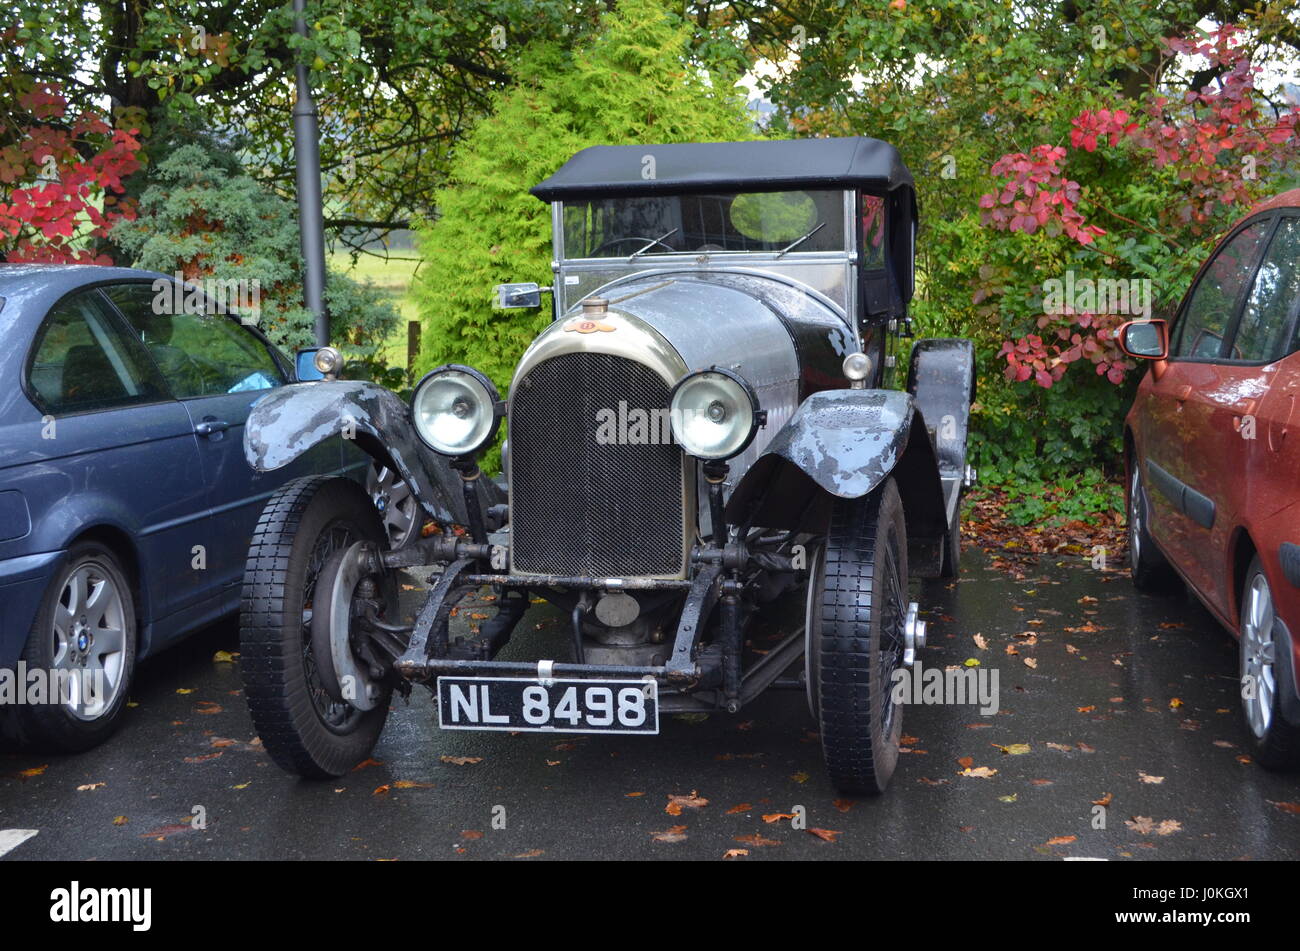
(800, 221)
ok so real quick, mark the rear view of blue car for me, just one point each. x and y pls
(126, 506)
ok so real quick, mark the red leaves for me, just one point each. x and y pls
(1037, 195)
(51, 195)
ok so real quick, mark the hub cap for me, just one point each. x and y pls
(396, 503)
(89, 642)
(1257, 655)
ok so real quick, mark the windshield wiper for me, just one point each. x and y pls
(659, 240)
(798, 241)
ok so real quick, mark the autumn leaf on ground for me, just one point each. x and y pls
(367, 762)
(1031, 662)
(530, 854)
(1105, 800)
(1062, 839)
(471, 834)
(843, 805)
(204, 758)
(411, 784)
(966, 762)
(671, 834)
(207, 708)
(800, 777)
(826, 835)
(980, 642)
(677, 803)
(1085, 748)
(165, 832)
(382, 790)
(184, 690)
(461, 760)
(777, 816)
(33, 771)
(1087, 709)
(120, 820)
(1145, 825)
(979, 772)
(735, 853)
(1015, 749)
(1150, 779)
(89, 786)
(1011, 649)
(1291, 807)
(632, 795)
(755, 839)
(1071, 649)
(743, 807)
(224, 657)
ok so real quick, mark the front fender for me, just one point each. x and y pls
(288, 421)
(845, 443)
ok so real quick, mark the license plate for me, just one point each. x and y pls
(560, 706)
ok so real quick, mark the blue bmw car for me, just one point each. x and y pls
(126, 505)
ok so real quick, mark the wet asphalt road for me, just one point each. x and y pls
(1137, 693)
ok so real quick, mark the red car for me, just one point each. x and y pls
(1212, 447)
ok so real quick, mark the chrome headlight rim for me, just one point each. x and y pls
(755, 415)
(488, 400)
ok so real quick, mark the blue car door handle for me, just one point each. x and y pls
(211, 426)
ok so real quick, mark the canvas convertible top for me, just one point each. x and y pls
(621, 170)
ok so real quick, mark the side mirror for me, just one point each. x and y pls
(519, 296)
(317, 363)
(1145, 339)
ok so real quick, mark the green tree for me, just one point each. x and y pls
(635, 81)
(203, 218)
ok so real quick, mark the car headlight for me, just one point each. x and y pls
(714, 414)
(455, 410)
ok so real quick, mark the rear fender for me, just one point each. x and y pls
(291, 420)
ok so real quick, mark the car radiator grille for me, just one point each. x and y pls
(580, 507)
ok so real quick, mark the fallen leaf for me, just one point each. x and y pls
(777, 816)
(1015, 749)
(632, 795)
(224, 657)
(185, 690)
(1105, 800)
(1291, 807)
(1085, 709)
(33, 771)
(367, 762)
(671, 834)
(1150, 779)
(1063, 747)
(677, 803)
(89, 786)
(843, 805)
(826, 835)
(743, 807)
(471, 834)
(800, 777)
(735, 853)
(461, 760)
(530, 854)
(755, 839)
(1175, 703)
(207, 708)
(1031, 662)
(1012, 798)
(966, 762)
(410, 784)
(979, 772)
(165, 832)
(204, 758)
(1085, 748)
(120, 820)
(1062, 839)
(980, 642)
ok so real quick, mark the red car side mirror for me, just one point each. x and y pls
(1144, 339)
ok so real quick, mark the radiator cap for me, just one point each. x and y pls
(594, 306)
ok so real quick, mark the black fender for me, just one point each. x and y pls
(942, 380)
(843, 444)
(288, 421)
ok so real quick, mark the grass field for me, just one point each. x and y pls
(393, 278)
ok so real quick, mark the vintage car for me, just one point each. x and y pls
(709, 423)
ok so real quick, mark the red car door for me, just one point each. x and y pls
(1181, 445)
(1232, 415)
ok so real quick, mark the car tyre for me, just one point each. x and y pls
(86, 625)
(304, 730)
(1148, 566)
(1266, 690)
(855, 639)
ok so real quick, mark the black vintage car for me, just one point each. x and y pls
(712, 422)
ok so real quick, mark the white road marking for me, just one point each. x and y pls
(10, 839)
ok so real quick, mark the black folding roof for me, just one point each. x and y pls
(763, 165)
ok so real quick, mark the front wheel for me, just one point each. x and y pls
(83, 646)
(856, 639)
(304, 729)
(1264, 687)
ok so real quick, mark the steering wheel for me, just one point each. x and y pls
(626, 238)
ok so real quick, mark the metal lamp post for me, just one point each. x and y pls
(311, 218)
